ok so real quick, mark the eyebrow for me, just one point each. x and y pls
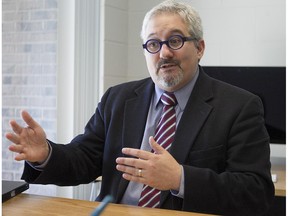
(170, 32)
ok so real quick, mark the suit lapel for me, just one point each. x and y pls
(135, 116)
(190, 124)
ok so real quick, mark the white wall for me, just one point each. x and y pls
(115, 42)
(243, 33)
(237, 33)
(136, 63)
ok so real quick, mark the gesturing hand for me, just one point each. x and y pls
(29, 142)
(159, 170)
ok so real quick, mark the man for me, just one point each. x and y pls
(216, 162)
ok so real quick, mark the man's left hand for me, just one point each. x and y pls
(159, 169)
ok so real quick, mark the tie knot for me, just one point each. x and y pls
(169, 99)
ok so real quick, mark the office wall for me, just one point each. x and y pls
(237, 33)
(115, 52)
(244, 33)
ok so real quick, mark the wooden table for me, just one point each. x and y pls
(280, 185)
(34, 205)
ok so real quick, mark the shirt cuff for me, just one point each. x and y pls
(40, 167)
(180, 193)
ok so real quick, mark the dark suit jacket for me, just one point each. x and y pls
(221, 141)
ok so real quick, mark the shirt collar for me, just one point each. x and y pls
(182, 95)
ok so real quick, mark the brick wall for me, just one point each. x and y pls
(29, 66)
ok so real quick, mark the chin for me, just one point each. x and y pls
(169, 81)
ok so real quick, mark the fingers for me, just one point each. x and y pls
(140, 158)
(149, 168)
(20, 157)
(16, 148)
(133, 168)
(129, 173)
(155, 146)
(29, 120)
(132, 171)
(16, 127)
(130, 163)
(12, 137)
(145, 155)
(134, 178)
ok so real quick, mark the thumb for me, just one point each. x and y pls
(155, 146)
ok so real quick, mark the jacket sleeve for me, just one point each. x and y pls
(78, 162)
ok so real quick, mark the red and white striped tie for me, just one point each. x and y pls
(164, 136)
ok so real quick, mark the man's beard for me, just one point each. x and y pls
(169, 80)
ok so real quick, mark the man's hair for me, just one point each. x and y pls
(189, 15)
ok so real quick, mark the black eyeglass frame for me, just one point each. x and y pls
(184, 39)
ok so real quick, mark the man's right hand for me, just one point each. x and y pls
(28, 142)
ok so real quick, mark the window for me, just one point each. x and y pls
(29, 69)
(50, 68)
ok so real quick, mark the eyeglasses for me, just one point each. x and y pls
(174, 42)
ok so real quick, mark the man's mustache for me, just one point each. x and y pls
(167, 61)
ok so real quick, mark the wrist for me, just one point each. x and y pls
(177, 180)
(46, 154)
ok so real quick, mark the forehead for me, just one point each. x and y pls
(164, 25)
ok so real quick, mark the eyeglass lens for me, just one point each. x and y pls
(174, 42)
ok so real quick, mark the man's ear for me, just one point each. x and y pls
(200, 49)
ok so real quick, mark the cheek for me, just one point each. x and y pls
(189, 60)
(151, 63)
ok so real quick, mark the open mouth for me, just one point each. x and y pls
(167, 65)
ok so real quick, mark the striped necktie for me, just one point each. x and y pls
(164, 136)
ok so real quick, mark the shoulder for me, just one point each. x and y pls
(224, 95)
(128, 90)
(130, 87)
(223, 89)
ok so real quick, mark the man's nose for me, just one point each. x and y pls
(165, 52)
